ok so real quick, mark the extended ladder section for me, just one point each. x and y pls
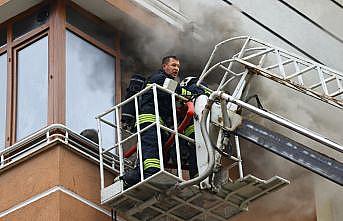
(250, 56)
(257, 57)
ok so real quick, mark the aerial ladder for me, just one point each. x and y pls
(219, 125)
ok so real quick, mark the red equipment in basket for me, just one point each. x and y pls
(188, 116)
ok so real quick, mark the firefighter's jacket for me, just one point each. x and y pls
(147, 108)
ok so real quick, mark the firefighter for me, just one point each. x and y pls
(189, 84)
(90, 134)
(128, 118)
(187, 149)
(149, 142)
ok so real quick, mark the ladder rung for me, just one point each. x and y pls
(327, 80)
(300, 72)
(337, 93)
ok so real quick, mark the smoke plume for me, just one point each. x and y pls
(215, 21)
(210, 20)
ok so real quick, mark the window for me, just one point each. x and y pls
(3, 83)
(32, 92)
(101, 33)
(90, 83)
(30, 22)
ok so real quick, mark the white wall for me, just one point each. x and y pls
(282, 20)
(298, 30)
(324, 12)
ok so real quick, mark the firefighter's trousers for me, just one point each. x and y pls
(150, 156)
(187, 152)
(192, 157)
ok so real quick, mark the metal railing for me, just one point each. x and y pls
(123, 136)
(132, 151)
(43, 138)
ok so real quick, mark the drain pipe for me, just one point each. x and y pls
(208, 144)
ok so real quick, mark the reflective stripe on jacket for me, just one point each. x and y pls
(148, 118)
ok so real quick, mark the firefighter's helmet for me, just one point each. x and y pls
(188, 81)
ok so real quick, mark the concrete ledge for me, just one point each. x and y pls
(55, 166)
(58, 204)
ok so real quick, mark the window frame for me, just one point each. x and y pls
(9, 49)
(99, 45)
(3, 51)
(114, 52)
(16, 48)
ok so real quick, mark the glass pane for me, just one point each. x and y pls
(3, 86)
(88, 26)
(90, 84)
(3, 36)
(30, 22)
(32, 103)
